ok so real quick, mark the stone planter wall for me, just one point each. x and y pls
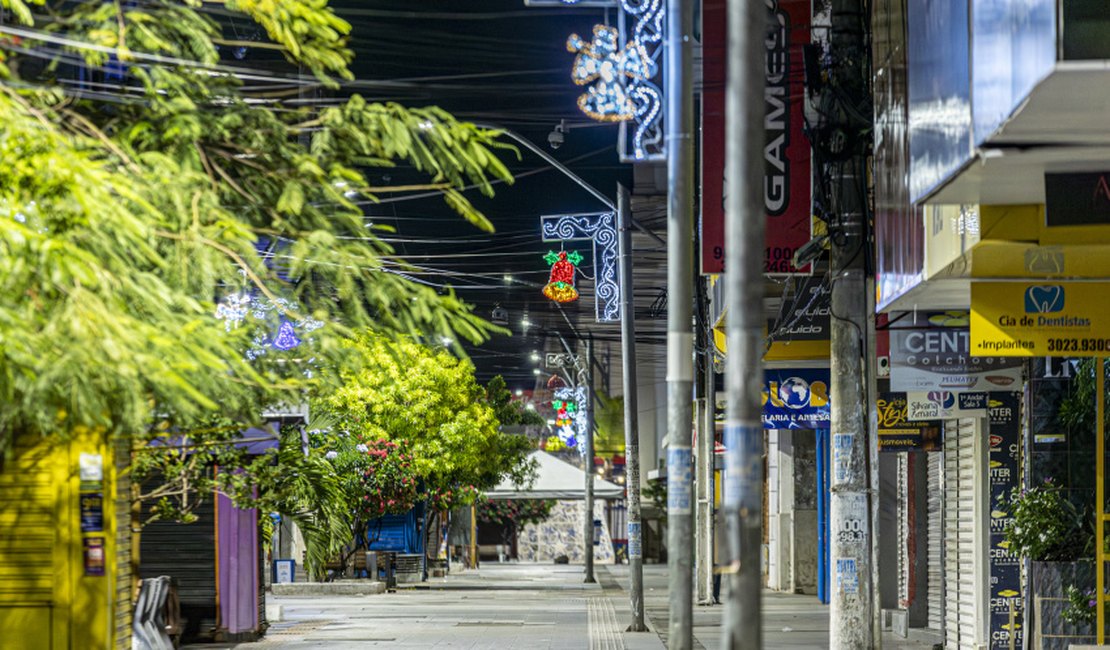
(561, 534)
(1049, 582)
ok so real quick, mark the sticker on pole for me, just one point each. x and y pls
(680, 480)
(847, 576)
(635, 540)
(743, 444)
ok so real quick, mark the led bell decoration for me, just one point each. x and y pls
(560, 286)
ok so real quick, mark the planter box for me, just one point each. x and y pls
(1049, 582)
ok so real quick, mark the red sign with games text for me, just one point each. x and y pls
(786, 152)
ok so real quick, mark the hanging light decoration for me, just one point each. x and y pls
(560, 285)
(602, 65)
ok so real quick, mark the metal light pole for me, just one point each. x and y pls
(588, 532)
(631, 414)
(680, 337)
(703, 473)
(850, 613)
(744, 228)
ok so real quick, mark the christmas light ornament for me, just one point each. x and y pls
(560, 285)
(602, 63)
(286, 339)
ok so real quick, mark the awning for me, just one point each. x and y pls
(556, 479)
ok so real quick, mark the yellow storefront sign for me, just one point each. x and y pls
(1023, 319)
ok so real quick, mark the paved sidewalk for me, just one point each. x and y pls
(526, 606)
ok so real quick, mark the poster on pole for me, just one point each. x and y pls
(786, 152)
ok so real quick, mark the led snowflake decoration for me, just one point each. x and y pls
(604, 65)
(235, 308)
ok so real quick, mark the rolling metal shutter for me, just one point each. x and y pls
(934, 541)
(186, 552)
(963, 532)
(29, 517)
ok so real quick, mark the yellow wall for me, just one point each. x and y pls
(46, 601)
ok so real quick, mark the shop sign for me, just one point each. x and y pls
(786, 152)
(945, 405)
(897, 432)
(796, 399)
(1018, 319)
(1077, 199)
(1005, 566)
(806, 315)
(926, 357)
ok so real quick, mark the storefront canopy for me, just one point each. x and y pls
(556, 479)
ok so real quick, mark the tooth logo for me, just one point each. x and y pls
(1044, 299)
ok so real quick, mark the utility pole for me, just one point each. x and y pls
(631, 414)
(703, 472)
(850, 614)
(680, 337)
(744, 227)
(588, 532)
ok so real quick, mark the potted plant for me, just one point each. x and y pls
(1058, 539)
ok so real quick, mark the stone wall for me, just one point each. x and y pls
(561, 534)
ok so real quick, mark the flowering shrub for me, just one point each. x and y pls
(1046, 527)
(450, 498)
(1082, 606)
(388, 480)
(520, 512)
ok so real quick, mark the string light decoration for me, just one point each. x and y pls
(623, 66)
(275, 331)
(602, 66)
(572, 416)
(560, 284)
(601, 229)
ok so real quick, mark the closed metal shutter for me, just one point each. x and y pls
(904, 533)
(124, 590)
(186, 552)
(962, 562)
(29, 547)
(934, 541)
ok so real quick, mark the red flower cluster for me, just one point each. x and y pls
(388, 483)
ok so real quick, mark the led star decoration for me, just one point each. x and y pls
(603, 64)
(560, 286)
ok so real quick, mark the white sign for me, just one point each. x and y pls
(945, 405)
(926, 358)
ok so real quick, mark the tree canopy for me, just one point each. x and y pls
(130, 215)
(431, 399)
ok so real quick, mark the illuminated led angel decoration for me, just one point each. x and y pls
(560, 285)
(602, 64)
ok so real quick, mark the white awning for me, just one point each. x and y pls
(556, 479)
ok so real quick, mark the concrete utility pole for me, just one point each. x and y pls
(850, 614)
(631, 414)
(680, 336)
(703, 472)
(744, 226)
(588, 532)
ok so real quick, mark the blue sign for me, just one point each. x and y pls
(796, 399)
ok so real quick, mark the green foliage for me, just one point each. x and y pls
(387, 483)
(1082, 608)
(1046, 527)
(1077, 410)
(514, 511)
(609, 419)
(407, 391)
(508, 411)
(123, 221)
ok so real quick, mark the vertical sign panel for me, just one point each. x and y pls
(786, 153)
(1006, 603)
